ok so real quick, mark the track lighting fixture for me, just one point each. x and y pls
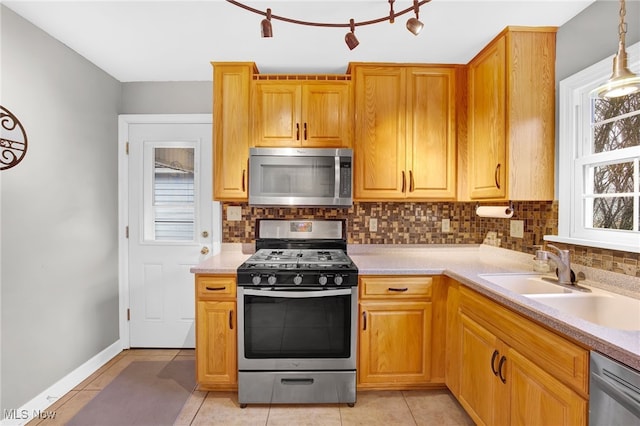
(267, 30)
(622, 82)
(350, 37)
(413, 24)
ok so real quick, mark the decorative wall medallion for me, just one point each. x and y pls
(13, 140)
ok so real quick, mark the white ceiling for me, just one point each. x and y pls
(176, 40)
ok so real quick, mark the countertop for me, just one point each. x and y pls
(464, 263)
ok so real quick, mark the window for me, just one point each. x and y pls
(169, 191)
(599, 162)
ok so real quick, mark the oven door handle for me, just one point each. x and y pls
(297, 294)
(613, 391)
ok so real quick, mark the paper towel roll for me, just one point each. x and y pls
(504, 212)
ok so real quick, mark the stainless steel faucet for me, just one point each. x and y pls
(562, 261)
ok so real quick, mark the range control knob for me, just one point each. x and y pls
(272, 279)
(297, 280)
(322, 280)
(337, 280)
(256, 279)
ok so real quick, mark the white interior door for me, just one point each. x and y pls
(170, 228)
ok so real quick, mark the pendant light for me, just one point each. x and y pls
(622, 82)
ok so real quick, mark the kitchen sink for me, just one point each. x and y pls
(599, 307)
(525, 283)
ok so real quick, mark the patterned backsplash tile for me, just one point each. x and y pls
(421, 223)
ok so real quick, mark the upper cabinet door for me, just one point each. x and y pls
(231, 129)
(431, 160)
(512, 116)
(302, 113)
(487, 145)
(276, 114)
(326, 114)
(379, 149)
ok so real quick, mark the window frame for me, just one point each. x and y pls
(573, 140)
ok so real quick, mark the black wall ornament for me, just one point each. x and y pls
(13, 140)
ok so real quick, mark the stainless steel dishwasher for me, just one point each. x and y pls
(614, 394)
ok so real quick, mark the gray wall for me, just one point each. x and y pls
(58, 213)
(187, 97)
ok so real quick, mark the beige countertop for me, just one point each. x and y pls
(464, 263)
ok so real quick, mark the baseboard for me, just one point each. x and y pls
(37, 407)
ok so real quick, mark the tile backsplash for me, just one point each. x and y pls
(421, 223)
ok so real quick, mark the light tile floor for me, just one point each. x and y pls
(423, 407)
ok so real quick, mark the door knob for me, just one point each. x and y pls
(205, 250)
(205, 234)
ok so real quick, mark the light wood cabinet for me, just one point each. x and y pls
(302, 113)
(395, 349)
(231, 129)
(514, 371)
(405, 143)
(512, 116)
(216, 338)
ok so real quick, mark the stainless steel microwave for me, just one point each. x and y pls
(300, 177)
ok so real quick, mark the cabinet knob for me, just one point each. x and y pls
(205, 250)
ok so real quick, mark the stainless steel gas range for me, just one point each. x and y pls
(297, 315)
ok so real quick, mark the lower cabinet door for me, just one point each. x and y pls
(536, 398)
(216, 349)
(394, 344)
(480, 389)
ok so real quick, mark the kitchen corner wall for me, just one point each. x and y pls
(421, 223)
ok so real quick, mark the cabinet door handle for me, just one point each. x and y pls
(231, 319)
(410, 180)
(215, 288)
(364, 320)
(500, 366)
(297, 131)
(398, 289)
(404, 181)
(305, 131)
(497, 175)
(493, 362)
(244, 174)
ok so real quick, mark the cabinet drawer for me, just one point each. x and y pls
(376, 287)
(216, 286)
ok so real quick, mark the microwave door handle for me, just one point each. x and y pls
(297, 294)
(629, 402)
(336, 189)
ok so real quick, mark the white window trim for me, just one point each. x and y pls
(570, 146)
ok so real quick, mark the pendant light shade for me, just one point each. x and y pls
(622, 82)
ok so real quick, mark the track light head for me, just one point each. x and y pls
(413, 24)
(265, 25)
(350, 38)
